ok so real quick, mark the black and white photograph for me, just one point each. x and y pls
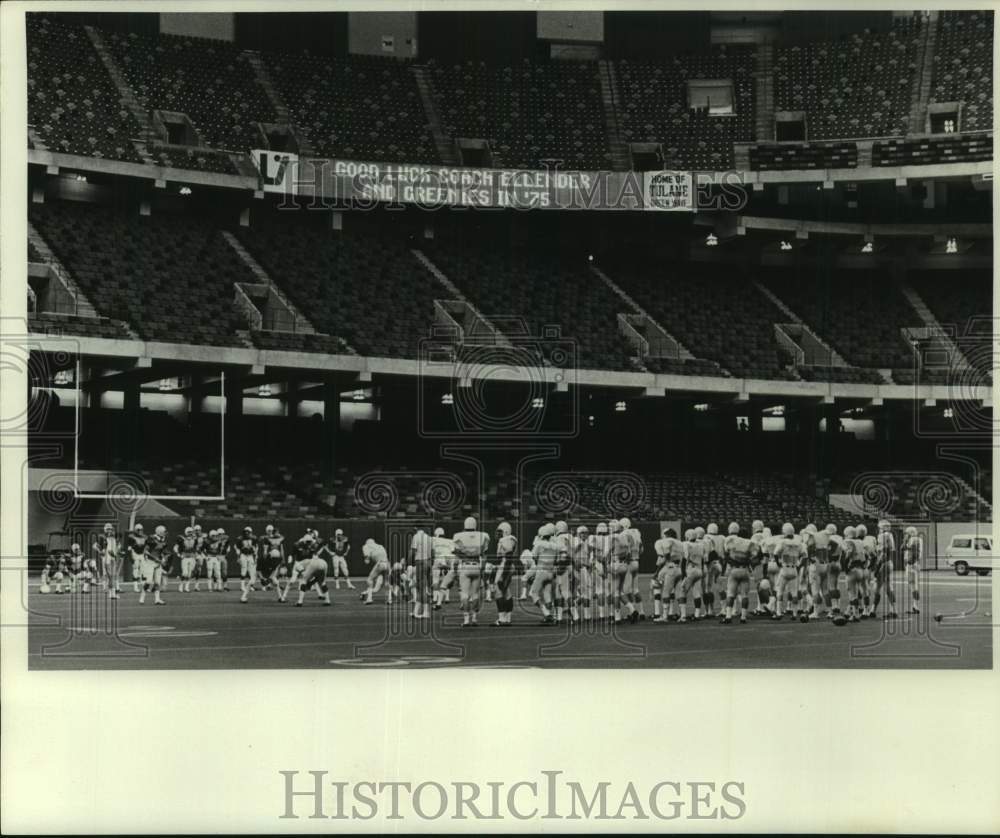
(520, 339)
(542, 340)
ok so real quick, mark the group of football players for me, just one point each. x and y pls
(583, 575)
(568, 576)
(196, 556)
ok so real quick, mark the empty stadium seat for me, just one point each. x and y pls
(68, 324)
(73, 104)
(857, 86)
(764, 158)
(963, 66)
(198, 160)
(532, 289)
(927, 151)
(171, 278)
(210, 80)
(364, 287)
(655, 108)
(529, 112)
(860, 315)
(716, 314)
(356, 107)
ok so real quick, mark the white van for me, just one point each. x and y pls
(971, 552)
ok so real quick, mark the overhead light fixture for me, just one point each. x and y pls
(711, 240)
(81, 178)
(358, 395)
(948, 413)
(165, 384)
(264, 391)
(867, 247)
(951, 246)
(701, 408)
(620, 407)
(185, 190)
(538, 402)
(785, 245)
(62, 378)
(447, 398)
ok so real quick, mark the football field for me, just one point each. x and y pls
(215, 631)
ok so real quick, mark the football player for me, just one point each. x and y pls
(136, 541)
(79, 572)
(716, 543)
(834, 570)
(601, 551)
(54, 572)
(186, 549)
(107, 546)
(695, 559)
(668, 575)
(507, 568)
(152, 565)
(885, 546)
(869, 547)
(853, 551)
(338, 550)
(740, 552)
(913, 552)
(246, 549)
(213, 569)
(443, 568)
(545, 554)
(309, 571)
(470, 547)
(791, 554)
(634, 539)
(272, 561)
(375, 555)
(422, 558)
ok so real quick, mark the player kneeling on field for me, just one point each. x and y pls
(53, 574)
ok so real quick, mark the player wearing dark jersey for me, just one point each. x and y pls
(272, 563)
(186, 550)
(136, 544)
(54, 573)
(155, 554)
(246, 550)
(337, 550)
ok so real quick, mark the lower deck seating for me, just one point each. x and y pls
(171, 278)
(68, 324)
(524, 287)
(717, 315)
(300, 342)
(842, 375)
(365, 287)
(860, 313)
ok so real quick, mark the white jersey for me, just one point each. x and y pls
(376, 554)
(422, 546)
(471, 545)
